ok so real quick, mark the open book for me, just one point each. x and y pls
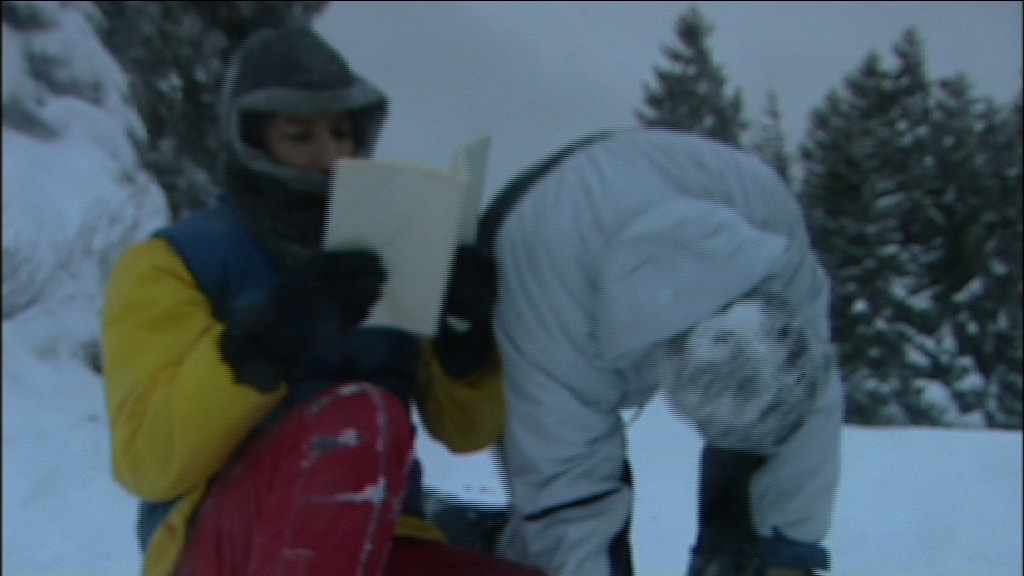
(414, 217)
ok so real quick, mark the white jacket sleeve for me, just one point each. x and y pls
(564, 439)
(682, 261)
(569, 501)
(795, 490)
(672, 266)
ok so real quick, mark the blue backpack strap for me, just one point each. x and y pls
(510, 194)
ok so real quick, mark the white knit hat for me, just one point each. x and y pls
(747, 376)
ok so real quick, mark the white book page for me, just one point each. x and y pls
(413, 217)
(470, 165)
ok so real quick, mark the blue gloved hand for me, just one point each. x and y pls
(321, 300)
(382, 356)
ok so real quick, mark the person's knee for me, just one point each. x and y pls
(355, 412)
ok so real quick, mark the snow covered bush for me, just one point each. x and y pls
(74, 193)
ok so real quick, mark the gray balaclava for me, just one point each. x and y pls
(289, 70)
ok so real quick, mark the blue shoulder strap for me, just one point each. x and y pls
(223, 257)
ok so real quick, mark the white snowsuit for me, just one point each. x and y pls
(626, 243)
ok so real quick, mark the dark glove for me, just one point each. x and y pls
(726, 566)
(383, 356)
(323, 298)
(783, 555)
(707, 564)
(465, 340)
(775, 556)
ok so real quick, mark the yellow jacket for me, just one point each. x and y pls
(177, 415)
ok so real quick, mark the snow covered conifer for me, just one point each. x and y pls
(690, 92)
(174, 53)
(913, 192)
(74, 192)
(769, 140)
(858, 185)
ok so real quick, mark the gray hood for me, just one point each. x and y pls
(292, 70)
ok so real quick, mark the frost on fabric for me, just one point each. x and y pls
(342, 391)
(320, 445)
(346, 439)
(373, 493)
(746, 375)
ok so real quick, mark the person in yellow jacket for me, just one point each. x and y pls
(262, 428)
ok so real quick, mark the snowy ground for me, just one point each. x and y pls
(928, 502)
(913, 501)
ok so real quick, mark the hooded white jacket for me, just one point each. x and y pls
(628, 242)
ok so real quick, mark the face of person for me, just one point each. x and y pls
(310, 142)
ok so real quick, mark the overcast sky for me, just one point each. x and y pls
(533, 75)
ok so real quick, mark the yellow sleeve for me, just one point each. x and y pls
(464, 414)
(176, 413)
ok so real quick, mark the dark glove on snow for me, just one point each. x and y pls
(465, 340)
(323, 298)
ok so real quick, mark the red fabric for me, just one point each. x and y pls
(317, 495)
(299, 501)
(412, 557)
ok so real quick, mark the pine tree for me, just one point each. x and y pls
(175, 53)
(848, 230)
(690, 93)
(978, 268)
(864, 172)
(913, 191)
(769, 140)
